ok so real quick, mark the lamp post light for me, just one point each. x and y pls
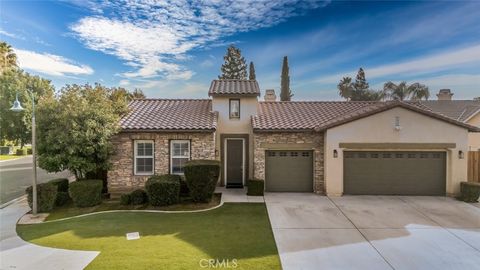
(17, 107)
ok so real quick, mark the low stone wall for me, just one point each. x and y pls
(265, 141)
(121, 176)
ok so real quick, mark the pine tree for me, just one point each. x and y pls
(251, 73)
(285, 92)
(361, 83)
(234, 66)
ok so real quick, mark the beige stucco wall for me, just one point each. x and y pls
(474, 137)
(379, 128)
(225, 125)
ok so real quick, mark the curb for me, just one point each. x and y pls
(23, 197)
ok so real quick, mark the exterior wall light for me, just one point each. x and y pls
(397, 123)
(335, 153)
(461, 155)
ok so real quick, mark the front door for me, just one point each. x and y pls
(234, 162)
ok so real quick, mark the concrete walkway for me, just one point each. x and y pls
(234, 195)
(18, 254)
(374, 232)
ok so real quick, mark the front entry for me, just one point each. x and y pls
(234, 162)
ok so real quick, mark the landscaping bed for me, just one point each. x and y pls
(186, 204)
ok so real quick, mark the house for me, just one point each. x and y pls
(326, 147)
(466, 111)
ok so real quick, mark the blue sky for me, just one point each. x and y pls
(173, 49)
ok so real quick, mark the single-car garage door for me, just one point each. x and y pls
(289, 171)
(394, 173)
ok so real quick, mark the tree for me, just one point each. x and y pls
(359, 90)
(234, 66)
(285, 91)
(476, 98)
(9, 58)
(251, 73)
(403, 91)
(75, 128)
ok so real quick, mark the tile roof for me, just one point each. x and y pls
(170, 115)
(319, 116)
(460, 110)
(234, 87)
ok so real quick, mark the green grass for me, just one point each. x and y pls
(8, 157)
(168, 241)
(69, 210)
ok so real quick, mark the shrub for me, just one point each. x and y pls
(21, 152)
(163, 189)
(202, 177)
(62, 198)
(86, 193)
(60, 183)
(470, 191)
(6, 150)
(184, 191)
(125, 199)
(29, 151)
(46, 195)
(255, 187)
(138, 196)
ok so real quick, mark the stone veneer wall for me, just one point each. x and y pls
(121, 178)
(291, 138)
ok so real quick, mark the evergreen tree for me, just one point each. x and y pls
(361, 83)
(358, 90)
(285, 92)
(235, 66)
(251, 73)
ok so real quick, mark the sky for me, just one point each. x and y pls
(174, 49)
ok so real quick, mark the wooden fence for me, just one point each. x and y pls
(474, 166)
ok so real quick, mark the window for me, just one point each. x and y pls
(234, 108)
(294, 154)
(179, 155)
(144, 157)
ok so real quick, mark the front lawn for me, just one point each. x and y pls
(168, 240)
(8, 157)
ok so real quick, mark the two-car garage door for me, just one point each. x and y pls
(394, 173)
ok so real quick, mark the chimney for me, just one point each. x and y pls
(270, 95)
(444, 94)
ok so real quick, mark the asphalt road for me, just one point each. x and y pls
(16, 175)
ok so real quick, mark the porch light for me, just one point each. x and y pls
(335, 153)
(397, 123)
(461, 155)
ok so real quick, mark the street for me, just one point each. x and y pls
(16, 176)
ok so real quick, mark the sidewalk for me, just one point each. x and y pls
(237, 195)
(18, 254)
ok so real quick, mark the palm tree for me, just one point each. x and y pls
(345, 88)
(9, 58)
(403, 91)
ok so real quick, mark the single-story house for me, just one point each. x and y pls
(326, 147)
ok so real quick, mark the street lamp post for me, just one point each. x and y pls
(17, 107)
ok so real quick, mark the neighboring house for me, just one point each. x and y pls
(325, 147)
(466, 111)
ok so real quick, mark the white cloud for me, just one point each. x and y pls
(423, 65)
(50, 64)
(153, 37)
(8, 34)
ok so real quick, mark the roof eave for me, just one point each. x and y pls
(130, 130)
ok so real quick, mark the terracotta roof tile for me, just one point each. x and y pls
(170, 114)
(234, 87)
(460, 110)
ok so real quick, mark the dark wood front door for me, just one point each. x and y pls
(234, 162)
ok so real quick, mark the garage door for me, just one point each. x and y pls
(289, 171)
(394, 173)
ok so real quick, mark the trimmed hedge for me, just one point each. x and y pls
(46, 195)
(125, 199)
(255, 187)
(29, 151)
(163, 189)
(470, 191)
(60, 183)
(184, 191)
(62, 198)
(138, 196)
(21, 152)
(86, 193)
(202, 177)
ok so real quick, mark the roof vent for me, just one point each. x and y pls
(270, 95)
(444, 94)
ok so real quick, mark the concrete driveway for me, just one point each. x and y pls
(374, 232)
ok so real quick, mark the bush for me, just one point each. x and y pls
(138, 196)
(202, 177)
(6, 150)
(86, 193)
(60, 183)
(125, 199)
(163, 189)
(62, 198)
(184, 191)
(21, 152)
(46, 195)
(255, 187)
(29, 151)
(470, 191)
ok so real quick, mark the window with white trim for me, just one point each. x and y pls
(179, 155)
(144, 157)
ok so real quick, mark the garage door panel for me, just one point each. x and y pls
(289, 171)
(394, 173)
